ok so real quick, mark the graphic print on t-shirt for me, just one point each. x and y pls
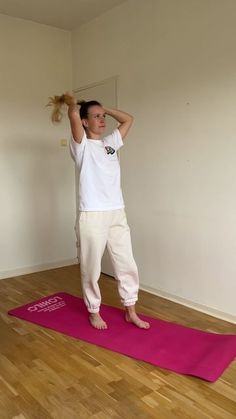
(109, 150)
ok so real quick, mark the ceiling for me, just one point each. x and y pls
(64, 14)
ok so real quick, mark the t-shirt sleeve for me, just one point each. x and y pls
(76, 149)
(114, 140)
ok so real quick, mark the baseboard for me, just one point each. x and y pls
(32, 269)
(59, 264)
(199, 307)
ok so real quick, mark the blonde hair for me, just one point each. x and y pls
(58, 102)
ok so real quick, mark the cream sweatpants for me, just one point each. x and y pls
(95, 230)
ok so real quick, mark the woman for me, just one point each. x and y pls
(101, 220)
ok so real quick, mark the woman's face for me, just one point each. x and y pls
(95, 121)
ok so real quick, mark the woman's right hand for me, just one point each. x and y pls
(68, 99)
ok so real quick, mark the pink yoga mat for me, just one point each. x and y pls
(166, 345)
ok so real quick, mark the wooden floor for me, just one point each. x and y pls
(44, 374)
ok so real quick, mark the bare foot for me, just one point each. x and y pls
(96, 321)
(133, 318)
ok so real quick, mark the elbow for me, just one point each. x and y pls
(131, 119)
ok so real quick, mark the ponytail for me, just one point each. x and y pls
(58, 102)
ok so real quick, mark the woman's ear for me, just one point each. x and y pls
(85, 123)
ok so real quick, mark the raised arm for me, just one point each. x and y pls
(125, 120)
(77, 128)
(58, 102)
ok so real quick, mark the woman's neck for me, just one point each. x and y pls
(92, 135)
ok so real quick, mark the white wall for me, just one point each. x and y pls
(176, 63)
(36, 174)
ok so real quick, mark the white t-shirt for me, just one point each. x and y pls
(99, 172)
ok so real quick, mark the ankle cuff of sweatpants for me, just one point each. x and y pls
(130, 302)
(93, 310)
